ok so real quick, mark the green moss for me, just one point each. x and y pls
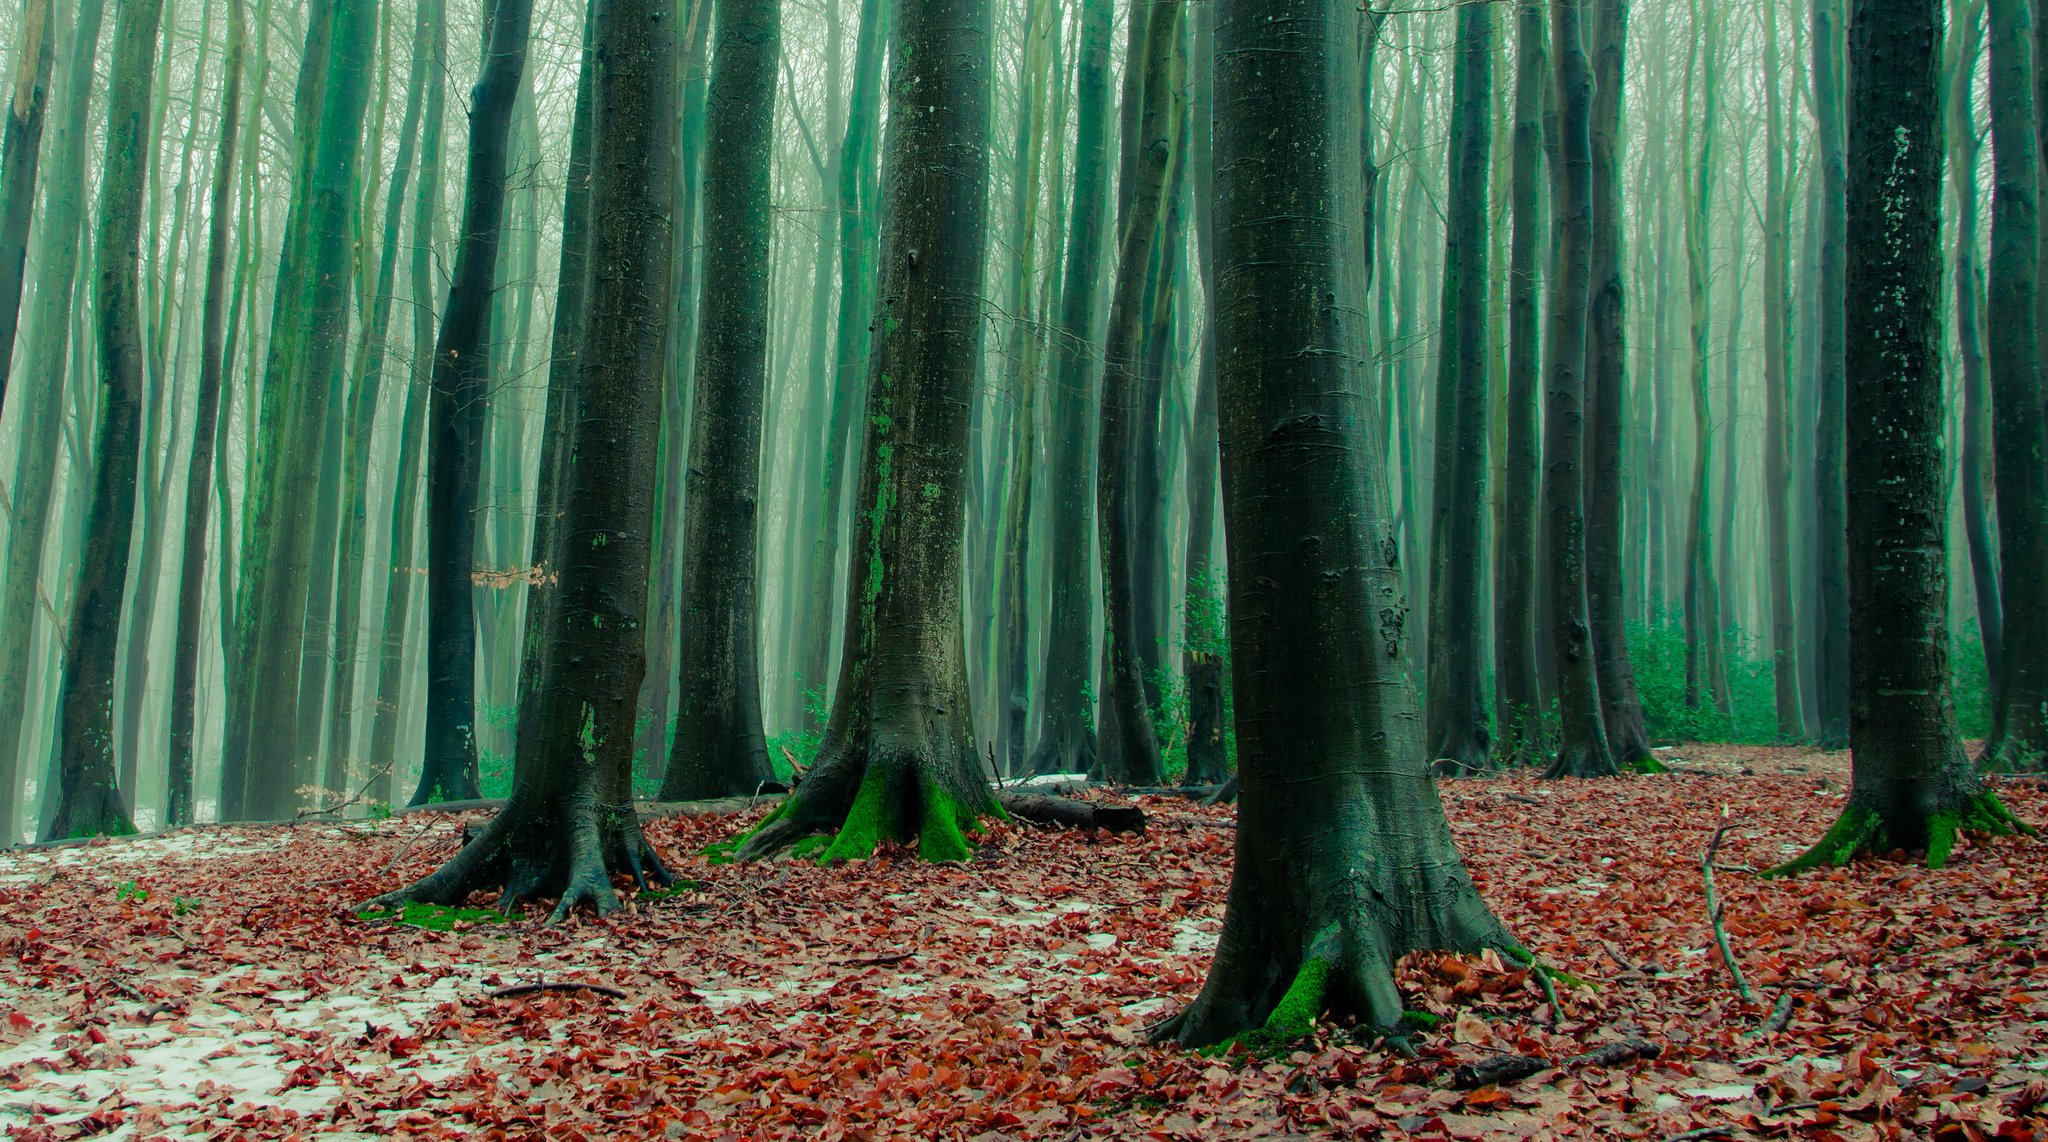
(939, 836)
(1856, 829)
(434, 917)
(866, 822)
(681, 887)
(1421, 1020)
(1648, 765)
(1982, 813)
(722, 852)
(1293, 1018)
(810, 846)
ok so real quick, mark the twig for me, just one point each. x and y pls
(331, 810)
(1615, 954)
(1503, 1069)
(1714, 914)
(876, 961)
(407, 847)
(1703, 1132)
(550, 985)
(1780, 1017)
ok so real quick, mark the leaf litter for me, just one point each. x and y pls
(223, 984)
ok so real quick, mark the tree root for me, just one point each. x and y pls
(1503, 1069)
(518, 990)
(523, 853)
(880, 810)
(1860, 829)
(1581, 761)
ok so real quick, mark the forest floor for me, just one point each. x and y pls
(222, 982)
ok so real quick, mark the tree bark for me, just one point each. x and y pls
(899, 758)
(1328, 890)
(1831, 587)
(719, 748)
(21, 148)
(1777, 474)
(88, 804)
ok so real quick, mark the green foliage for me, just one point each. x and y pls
(682, 886)
(1972, 687)
(1205, 630)
(130, 890)
(434, 917)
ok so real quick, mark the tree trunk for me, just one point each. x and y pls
(35, 466)
(1134, 756)
(899, 758)
(1067, 741)
(1515, 654)
(1965, 151)
(88, 804)
(570, 821)
(1582, 747)
(2019, 437)
(1702, 589)
(199, 485)
(719, 748)
(1205, 638)
(1912, 787)
(456, 417)
(1777, 473)
(1459, 738)
(1831, 587)
(1329, 890)
(21, 147)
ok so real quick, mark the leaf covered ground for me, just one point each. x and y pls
(222, 983)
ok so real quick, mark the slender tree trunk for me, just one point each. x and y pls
(88, 803)
(1515, 650)
(719, 748)
(1777, 474)
(1965, 151)
(570, 822)
(1912, 786)
(1831, 588)
(1582, 748)
(21, 147)
(1459, 738)
(1328, 889)
(199, 485)
(1702, 590)
(1067, 742)
(456, 419)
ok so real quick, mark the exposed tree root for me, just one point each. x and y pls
(898, 799)
(1861, 829)
(1513, 1068)
(1581, 761)
(2009, 754)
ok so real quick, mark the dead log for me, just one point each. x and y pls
(1503, 1069)
(1073, 814)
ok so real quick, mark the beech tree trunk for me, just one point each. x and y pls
(719, 748)
(899, 758)
(1777, 475)
(21, 148)
(1912, 786)
(1328, 889)
(88, 803)
(1831, 587)
(1965, 149)
(570, 822)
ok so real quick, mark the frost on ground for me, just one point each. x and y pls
(222, 982)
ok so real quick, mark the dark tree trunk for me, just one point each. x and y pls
(21, 148)
(88, 804)
(719, 747)
(2019, 715)
(1607, 400)
(1912, 786)
(1133, 758)
(35, 465)
(1067, 741)
(1777, 474)
(1205, 638)
(899, 758)
(1459, 737)
(570, 821)
(1330, 889)
(199, 486)
(1965, 148)
(1515, 655)
(1582, 746)
(1831, 587)
(456, 417)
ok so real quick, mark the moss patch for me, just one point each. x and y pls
(866, 822)
(1293, 1018)
(681, 887)
(940, 835)
(810, 847)
(1856, 829)
(1647, 765)
(1983, 813)
(434, 917)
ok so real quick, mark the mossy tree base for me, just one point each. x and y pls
(1862, 829)
(567, 851)
(1581, 761)
(94, 811)
(2009, 754)
(846, 810)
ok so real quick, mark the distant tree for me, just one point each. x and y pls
(1966, 146)
(21, 148)
(1777, 474)
(1912, 786)
(570, 824)
(1704, 670)
(1459, 733)
(1202, 661)
(1344, 860)
(88, 804)
(899, 759)
(1831, 554)
(719, 748)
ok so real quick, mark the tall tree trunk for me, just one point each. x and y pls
(21, 148)
(1134, 756)
(1777, 474)
(1067, 742)
(719, 748)
(1582, 747)
(1515, 649)
(1329, 889)
(899, 758)
(2019, 434)
(570, 822)
(1965, 151)
(1912, 786)
(1702, 589)
(88, 804)
(1459, 739)
(1607, 398)
(457, 415)
(49, 346)
(1831, 587)
(199, 485)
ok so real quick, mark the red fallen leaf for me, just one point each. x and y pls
(20, 1022)
(1488, 1098)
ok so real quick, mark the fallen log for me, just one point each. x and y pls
(518, 990)
(1502, 1069)
(1073, 814)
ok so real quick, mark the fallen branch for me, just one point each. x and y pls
(1780, 1017)
(1502, 1069)
(331, 810)
(518, 990)
(1714, 914)
(876, 961)
(1703, 1132)
(1522, 798)
(1073, 814)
